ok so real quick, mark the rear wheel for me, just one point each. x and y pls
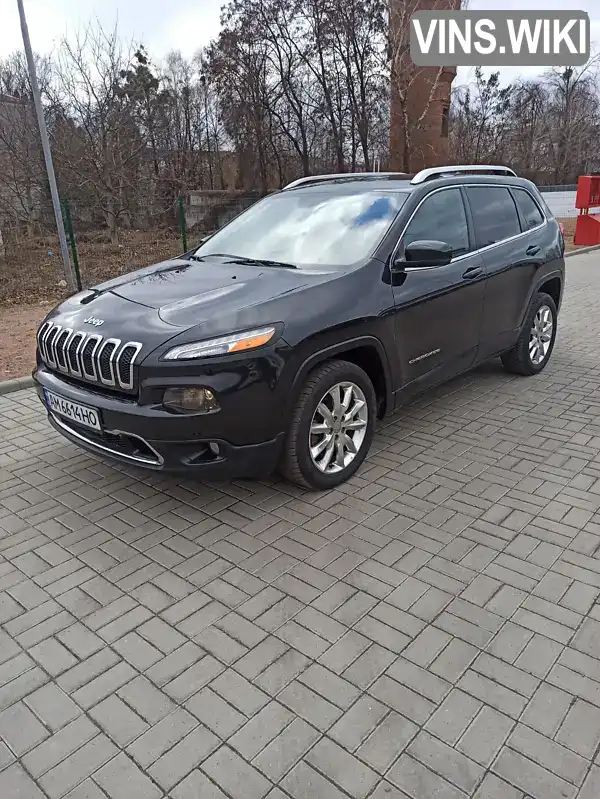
(332, 426)
(534, 346)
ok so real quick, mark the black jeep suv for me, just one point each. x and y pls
(285, 335)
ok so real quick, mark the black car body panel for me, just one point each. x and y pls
(408, 328)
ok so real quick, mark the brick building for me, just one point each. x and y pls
(420, 95)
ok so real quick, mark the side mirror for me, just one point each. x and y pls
(424, 253)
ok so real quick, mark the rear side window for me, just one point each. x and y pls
(441, 217)
(494, 214)
(532, 216)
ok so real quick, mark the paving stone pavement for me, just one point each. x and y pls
(430, 629)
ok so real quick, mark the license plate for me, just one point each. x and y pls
(73, 410)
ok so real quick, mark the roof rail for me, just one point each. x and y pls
(341, 175)
(438, 171)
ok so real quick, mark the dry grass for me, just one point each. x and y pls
(569, 225)
(32, 271)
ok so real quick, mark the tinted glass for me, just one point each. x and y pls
(530, 212)
(441, 217)
(310, 228)
(494, 214)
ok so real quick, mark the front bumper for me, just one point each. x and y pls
(150, 437)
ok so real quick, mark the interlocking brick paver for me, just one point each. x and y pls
(118, 720)
(303, 782)
(20, 729)
(161, 737)
(342, 768)
(430, 628)
(237, 777)
(55, 749)
(547, 709)
(79, 765)
(532, 778)
(286, 749)
(14, 781)
(171, 767)
(419, 782)
(120, 778)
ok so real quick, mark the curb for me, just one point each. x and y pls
(19, 383)
(8, 386)
(582, 251)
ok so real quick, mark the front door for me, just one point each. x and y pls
(438, 309)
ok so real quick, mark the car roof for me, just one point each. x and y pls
(401, 182)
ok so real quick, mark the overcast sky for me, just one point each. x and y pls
(187, 25)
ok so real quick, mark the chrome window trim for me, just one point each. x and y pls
(138, 346)
(471, 252)
(111, 361)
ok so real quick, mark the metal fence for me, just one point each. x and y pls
(30, 261)
(31, 265)
(567, 187)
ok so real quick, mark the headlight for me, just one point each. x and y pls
(191, 400)
(237, 342)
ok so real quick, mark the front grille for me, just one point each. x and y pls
(89, 356)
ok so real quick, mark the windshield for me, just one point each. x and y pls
(309, 228)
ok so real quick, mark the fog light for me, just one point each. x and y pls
(191, 400)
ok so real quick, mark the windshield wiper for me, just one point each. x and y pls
(239, 259)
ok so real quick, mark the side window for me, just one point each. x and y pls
(494, 214)
(532, 216)
(441, 217)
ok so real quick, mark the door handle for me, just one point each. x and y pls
(532, 250)
(473, 272)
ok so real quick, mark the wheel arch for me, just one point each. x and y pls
(367, 352)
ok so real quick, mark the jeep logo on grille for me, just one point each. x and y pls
(91, 320)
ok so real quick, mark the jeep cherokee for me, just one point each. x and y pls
(280, 340)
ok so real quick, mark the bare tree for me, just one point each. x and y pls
(96, 140)
(22, 181)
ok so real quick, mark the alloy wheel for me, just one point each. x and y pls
(338, 427)
(540, 336)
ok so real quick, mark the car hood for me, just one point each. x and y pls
(188, 292)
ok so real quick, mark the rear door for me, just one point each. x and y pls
(506, 222)
(438, 309)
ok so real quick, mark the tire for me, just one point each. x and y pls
(521, 359)
(297, 464)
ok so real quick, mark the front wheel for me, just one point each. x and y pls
(332, 426)
(534, 346)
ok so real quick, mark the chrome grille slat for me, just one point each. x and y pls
(120, 365)
(80, 354)
(40, 337)
(112, 377)
(50, 338)
(73, 354)
(61, 343)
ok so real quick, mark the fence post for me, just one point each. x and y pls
(181, 214)
(71, 235)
